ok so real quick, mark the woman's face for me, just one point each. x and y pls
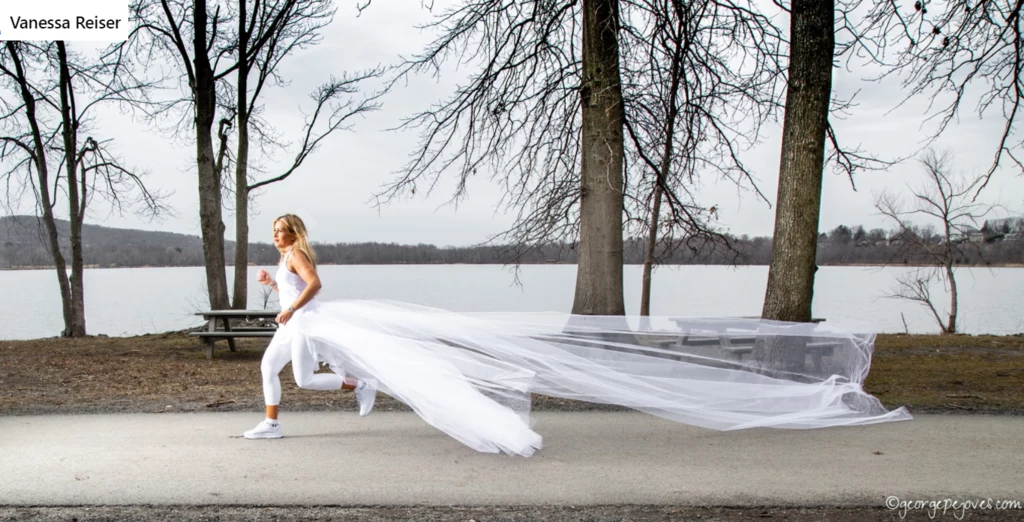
(282, 238)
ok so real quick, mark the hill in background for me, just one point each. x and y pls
(23, 245)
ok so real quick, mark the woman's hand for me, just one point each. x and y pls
(263, 277)
(283, 317)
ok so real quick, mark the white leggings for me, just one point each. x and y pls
(303, 365)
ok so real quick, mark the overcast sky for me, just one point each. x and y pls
(332, 191)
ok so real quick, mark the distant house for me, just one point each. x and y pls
(1006, 225)
(969, 234)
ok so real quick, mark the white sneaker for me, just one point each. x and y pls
(366, 394)
(266, 429)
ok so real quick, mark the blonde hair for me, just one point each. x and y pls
(293, 225)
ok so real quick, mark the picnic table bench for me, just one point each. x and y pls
(738, 344)
(212, 334)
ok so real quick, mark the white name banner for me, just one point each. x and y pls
(84, 20)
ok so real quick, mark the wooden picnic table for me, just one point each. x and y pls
(211, 334)
(737, 344)
(724, 338)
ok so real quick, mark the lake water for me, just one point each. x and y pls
(132, 301)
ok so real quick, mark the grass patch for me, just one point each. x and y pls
(949, 372)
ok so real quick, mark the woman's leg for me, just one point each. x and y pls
(303, 366)
(275, 358)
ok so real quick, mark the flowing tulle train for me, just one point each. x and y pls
(472, 375)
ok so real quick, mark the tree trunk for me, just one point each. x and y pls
(59, 263)
(652, 241)
(210, 215)
(599, 272)
(794, 246)
(662, 174)
(240, 292)
(951, 326)
(43, 178)
(71, 159)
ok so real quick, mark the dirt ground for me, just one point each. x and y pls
(169, 372)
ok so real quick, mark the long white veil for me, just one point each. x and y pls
(463, 371)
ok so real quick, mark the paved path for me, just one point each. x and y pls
(588, 458)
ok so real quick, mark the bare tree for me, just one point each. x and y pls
(268, 32)
(945, 198)
(197, 36)
(791, 274)
(690, 110)
(521, 117)
(745, 35)
(944, 54)
(599, 272)
(953, 51)
(43, 134)
(544, 110)
(790, 286)
(266, 292)
(211, 42)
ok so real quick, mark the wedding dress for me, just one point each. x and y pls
(472, 375)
